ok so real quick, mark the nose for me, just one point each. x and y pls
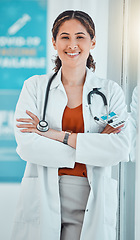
(72, 45)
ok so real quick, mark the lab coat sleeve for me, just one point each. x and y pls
(32, 147)
(104, 150)
(133, 123)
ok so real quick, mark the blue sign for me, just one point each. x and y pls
(22, 54)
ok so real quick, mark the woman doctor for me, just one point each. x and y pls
(67, 191)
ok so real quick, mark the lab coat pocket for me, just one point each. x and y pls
(110, 201)
(28, 208)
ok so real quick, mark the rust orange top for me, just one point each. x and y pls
(73, 120)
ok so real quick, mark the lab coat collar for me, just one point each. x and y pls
(90, 82)
(57, 80)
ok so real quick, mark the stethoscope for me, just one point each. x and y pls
(89, 96)
(43, 125)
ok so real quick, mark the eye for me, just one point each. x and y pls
(65, 37)
(80, 37)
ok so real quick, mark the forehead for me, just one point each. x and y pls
(72, 26)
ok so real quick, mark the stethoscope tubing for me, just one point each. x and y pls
(96, 91)
(42, 128)
(47, 95)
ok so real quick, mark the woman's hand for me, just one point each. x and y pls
(108, 129)
(29, 125)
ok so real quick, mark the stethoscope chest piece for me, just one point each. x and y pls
(42, 126)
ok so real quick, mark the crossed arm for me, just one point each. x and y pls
(28, 125)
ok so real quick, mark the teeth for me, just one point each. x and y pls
(72, 54)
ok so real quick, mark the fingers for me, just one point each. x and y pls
(34, 117)
(118, 129)
(24, 125)
(109, 129)
(31, 123)
(114, 130)
(28, 120)
(27, 128)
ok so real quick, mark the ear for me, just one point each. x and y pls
(93, 42)
(54, 43)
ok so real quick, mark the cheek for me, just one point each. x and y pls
(60, 52)
(87, 50)
(86, 45)
(60, 47)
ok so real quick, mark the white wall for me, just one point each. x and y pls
(137, 187)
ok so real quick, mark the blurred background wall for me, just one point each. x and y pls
(23, 47)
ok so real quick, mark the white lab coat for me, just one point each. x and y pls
(38, 212)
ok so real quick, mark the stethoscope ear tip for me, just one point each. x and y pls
(96, 118)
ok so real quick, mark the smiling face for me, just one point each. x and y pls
(73, 43)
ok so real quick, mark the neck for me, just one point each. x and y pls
(73, 76)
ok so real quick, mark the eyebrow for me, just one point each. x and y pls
(69, 34)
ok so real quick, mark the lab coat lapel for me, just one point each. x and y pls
(97, 105)
(57, 102)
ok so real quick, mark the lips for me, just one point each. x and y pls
(73, 54)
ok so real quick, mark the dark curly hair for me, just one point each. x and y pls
(85, 20)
